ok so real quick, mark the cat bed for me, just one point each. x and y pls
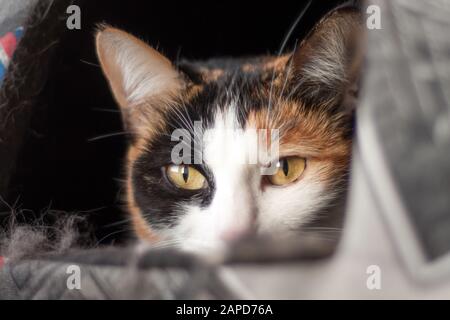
(114, 274)
(140, 272)
(61, 153)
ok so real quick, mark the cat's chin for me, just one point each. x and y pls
(212, 251)
(208, 249)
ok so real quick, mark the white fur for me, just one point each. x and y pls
(240, 203)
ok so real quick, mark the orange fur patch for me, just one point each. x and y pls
(309, 134)
(140, 225)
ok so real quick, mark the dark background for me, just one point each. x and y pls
(61, 168)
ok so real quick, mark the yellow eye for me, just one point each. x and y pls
(186, 177)
(288, 170)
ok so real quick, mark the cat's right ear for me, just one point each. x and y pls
(327, 63)
(143, 81)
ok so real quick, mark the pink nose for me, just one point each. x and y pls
(233, 234)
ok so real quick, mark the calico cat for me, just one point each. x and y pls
(307, 96)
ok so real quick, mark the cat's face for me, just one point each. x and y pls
(205, 165)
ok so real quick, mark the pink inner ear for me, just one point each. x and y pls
(136, 71)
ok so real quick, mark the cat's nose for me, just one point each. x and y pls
(234, 234)
(239, 227)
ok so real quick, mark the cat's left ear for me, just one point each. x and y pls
(326, 65)
(143, 81)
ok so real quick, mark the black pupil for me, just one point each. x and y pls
(285, 166)
(185, 173)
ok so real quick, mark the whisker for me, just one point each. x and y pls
(286, 77)
(106, 110)
(282, 47)
(105, 136)
(90, 63)
(118, 223)
(111, 234)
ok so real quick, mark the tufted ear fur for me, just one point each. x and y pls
(143, 81)
(326, 64)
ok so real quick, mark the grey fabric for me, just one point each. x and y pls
(13, 13)
(8, 287)
(131, 274)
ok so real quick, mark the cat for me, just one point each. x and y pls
(308, 96)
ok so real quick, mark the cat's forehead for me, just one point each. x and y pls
(225, 70)
(248, 84)
(256, 93)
